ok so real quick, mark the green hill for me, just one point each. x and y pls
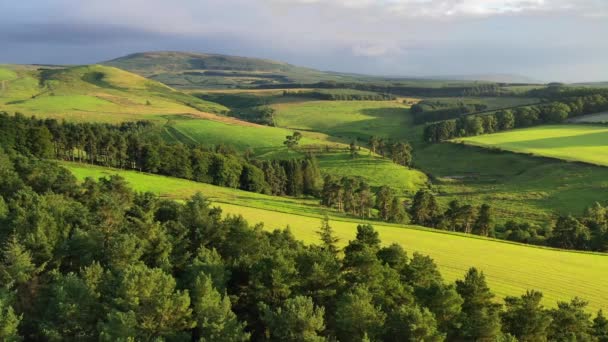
(196, 70)
(91, 93)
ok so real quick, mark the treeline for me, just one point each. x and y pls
(328, 96)
(554, 112)
(97, 261)
(137, 146)
(427, 112)
(247, 107)
(475, 89)
(587, 233)
(400, 152)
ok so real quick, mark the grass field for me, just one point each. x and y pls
(267, 142)
(347, 119)
(511, 268)
(92, 93)
(583, 143)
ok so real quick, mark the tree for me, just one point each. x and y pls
(9, 320)
(483, 223)
(146, 305)
(600, 327)
(293, 140)
(357, 316)
(213, 314)
(571, 322)
(424, 209)
(412, 324)
(353, 149)
(401, 153)
(384, 202)
(479, 319)
(328, 239)
(569, 233)
(525, 318)
(297, 320)
(16, 267)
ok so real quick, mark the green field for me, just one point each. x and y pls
(511, 268)
(348, 119)
(92, 93)
(593, 118)
(583, 143)
(267, 142)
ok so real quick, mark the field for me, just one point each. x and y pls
(519, 187)
(92, 93)
(583, 143)
(267, 142)
(557, 273)
(347, 119)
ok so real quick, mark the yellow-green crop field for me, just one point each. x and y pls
(583, 143)
(511, 268)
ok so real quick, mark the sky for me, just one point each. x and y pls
(546, 40)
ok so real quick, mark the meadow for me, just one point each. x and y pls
(267, 143)
(556, 273)
(92, 93)
(519, 187)
(584, 143)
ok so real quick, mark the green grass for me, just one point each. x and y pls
(583, 143)
(352, 119)
(593, 118)
(92, 93)
(267, 142)
(511, 268)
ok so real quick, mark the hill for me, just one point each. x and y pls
(511, 268)
(91, 93)
(197, 70)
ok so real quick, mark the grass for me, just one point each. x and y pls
(267, 142)
(92, 93)
(347, 119)
(511, 268)
(593, 118)
(583, 143)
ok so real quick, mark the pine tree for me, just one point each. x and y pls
(328, 238)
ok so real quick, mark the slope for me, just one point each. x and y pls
(91, 93)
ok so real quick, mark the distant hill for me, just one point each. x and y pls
(496, 78)
(92, 92)
(197, 70)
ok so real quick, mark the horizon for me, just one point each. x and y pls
(544, 40)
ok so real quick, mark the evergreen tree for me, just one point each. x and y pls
(525, 318)
(297, 320)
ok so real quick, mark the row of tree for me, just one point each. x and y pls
(340, 96)
(138, 146)
(554, 112)
(97, 261)
(429, 111)
(589, 232)
(400, 152)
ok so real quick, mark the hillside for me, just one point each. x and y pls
(554, 272)
(91, 93)
(196, 70)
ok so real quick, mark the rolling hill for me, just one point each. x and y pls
(91, 93)
(196, 70)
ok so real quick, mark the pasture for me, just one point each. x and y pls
(582, 143)
(92, 93)
(267, 142)
(511, 268)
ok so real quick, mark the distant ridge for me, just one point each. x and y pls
(497, 78)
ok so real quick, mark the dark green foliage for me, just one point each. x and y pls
(97, 261)
(424, 210)
(525, 318)
(570, 322)
(566, 106)
(479, 319)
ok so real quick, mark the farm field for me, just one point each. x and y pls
(583, 143)
(267, 142)
(519, 187)
(511, 268)
(92, 93)
(347, 119)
